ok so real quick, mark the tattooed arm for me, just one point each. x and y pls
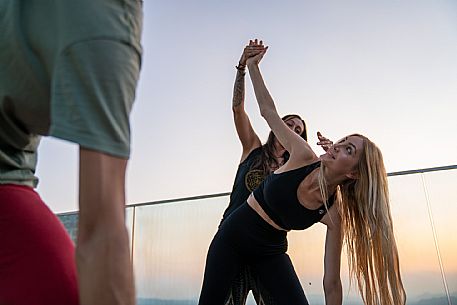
(238, 88)
(246, 134)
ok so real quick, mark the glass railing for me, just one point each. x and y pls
(169, 241)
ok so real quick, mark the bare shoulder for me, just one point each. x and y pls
(332, 218)
(301, 152)
(247, 151)
(296, 161)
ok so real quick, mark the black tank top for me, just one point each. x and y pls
(246, 180)
(277, 196)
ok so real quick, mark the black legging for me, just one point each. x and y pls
(245, 281)
(245, 238)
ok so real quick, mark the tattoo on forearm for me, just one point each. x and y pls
(238, 89)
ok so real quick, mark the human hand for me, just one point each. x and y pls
(258, 51)
(250, 50)
(324, 142)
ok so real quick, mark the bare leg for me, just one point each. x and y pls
(105, 271)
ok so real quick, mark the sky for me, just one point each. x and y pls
(385, 69)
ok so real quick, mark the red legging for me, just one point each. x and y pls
(37, 263)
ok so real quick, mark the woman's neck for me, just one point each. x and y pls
(331, 181)
(278, 156)
(279, 163)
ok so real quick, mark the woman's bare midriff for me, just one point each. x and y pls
(256, 207)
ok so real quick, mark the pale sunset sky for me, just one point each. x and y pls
(386, 69)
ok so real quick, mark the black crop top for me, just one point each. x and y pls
(277, 196)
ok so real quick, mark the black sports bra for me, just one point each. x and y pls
(277, 196)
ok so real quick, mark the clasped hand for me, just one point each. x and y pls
(253, 53)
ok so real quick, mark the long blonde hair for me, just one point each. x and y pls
(368, 230)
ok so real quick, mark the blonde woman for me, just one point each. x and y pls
(345, 189)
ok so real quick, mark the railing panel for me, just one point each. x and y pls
(441, 189)
(170, 240)
(418, 256)
(129, 222)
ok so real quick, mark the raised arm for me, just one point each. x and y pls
(248, 138)
(292, 142)
(332, 259)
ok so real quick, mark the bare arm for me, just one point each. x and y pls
(332, 258)
(248, 138)
(293, 143)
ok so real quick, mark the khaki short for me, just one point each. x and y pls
(69, 69)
